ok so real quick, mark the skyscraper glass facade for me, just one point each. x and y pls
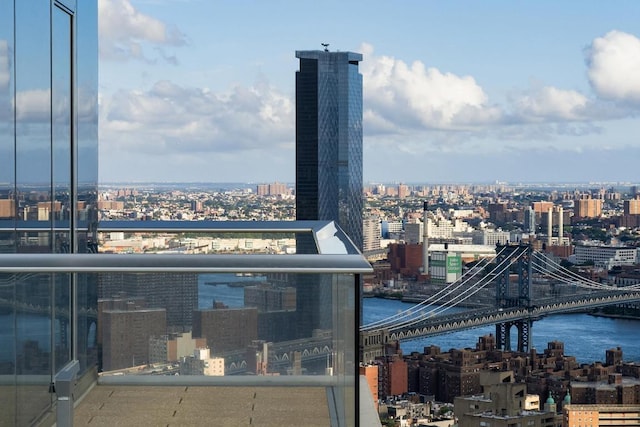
(329, 140)
(48, 190)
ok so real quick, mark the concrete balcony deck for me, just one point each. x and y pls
(124, 405)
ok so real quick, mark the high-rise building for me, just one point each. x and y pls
(371, 234)
(175, 292)
(587, 207)
(127, 334)
(226, 329)
(632, 207)
(530, 220)
(329, 140)
(48, 166)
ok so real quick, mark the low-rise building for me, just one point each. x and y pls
(502, 403)
(601, 415)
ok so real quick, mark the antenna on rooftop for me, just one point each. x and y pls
(326, 46)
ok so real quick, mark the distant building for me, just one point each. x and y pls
(468, 253)
(445, 266)
(371, 234)
(110, 205)
(541, 208)
(273, 189)
(226, 329)
(175, 292)
(600, 415)
(616, 389)
(201, 363)
(503, 403)
(632, 207)
(587, 207)
(370, 372)
(170, 348)
(126, 335)
(497, 212)
(405, 259)
(7, 208)
(490, 237)
(391, 228)
(270, 298)
(530, 220)
(413, 232)
(329, 140)
(403, 191)
(392, 377)
(604, 256)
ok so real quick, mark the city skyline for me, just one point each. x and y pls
(204, 91)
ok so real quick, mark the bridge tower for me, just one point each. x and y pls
(506, 297)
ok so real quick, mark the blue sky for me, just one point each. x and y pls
(454, 91)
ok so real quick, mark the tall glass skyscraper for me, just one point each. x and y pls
(329, 140)
(48, 191)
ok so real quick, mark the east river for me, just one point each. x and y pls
(585, 336)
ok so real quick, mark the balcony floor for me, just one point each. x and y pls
(125, 405)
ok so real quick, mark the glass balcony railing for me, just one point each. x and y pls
(243, 304)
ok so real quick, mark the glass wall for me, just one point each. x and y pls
(41, 132)
(273, 316)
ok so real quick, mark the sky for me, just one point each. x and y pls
(454, 91)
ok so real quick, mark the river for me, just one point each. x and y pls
(585, 336)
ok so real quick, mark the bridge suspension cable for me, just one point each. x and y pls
(567, 276)
(412, 316)
(428, 302)
(503, 266)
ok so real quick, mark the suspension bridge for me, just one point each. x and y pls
(517, 305)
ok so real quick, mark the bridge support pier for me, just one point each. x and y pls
(503, 335)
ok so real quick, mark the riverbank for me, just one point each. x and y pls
(614, 315)
(399, 296)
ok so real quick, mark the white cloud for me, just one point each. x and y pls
(173, 118)
(421, 97)
(550, 103)
(125, 32)
(614, 66)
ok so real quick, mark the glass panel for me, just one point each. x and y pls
(86, 170)
(87, 320)
(61, 129)
(230, 324)
(33, 346)
(87, 121)
(7, 349)
(61, 162)
(33, 190)
(7, 216)
(7, 146)
(33, 113)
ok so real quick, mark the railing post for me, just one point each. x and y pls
(65, 382)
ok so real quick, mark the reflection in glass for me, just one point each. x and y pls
(38, 192)
(61, 95)
(7, 216)
(33, 294)
(7, 148)
(61, 129)
(33, 112)
(86, 150)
